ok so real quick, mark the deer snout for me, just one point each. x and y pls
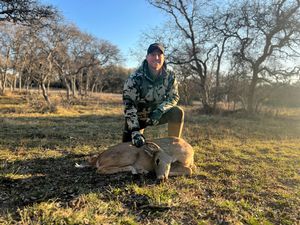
(162, 178)
(162, 171)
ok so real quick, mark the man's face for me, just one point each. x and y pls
(155, 60)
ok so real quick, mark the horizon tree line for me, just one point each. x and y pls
(226, 52)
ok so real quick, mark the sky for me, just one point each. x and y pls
(121, 22)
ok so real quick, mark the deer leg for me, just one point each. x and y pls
(178, 169)
(112, 170)
(142, 171)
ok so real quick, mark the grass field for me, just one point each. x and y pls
(248, 168)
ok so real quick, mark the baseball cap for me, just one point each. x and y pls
(156, 46)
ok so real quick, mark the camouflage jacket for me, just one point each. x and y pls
(142, 94)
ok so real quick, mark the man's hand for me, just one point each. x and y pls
(155, 117)
(137, 139)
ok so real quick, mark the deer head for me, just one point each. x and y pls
(161, 160)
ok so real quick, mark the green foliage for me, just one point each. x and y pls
(247, 169)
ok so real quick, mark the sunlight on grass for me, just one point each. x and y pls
(15, 176)
(86, 209)
(160, 195)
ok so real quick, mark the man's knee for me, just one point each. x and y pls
(177, 114)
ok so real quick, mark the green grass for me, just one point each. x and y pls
(248, 168)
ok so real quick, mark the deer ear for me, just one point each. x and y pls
(151, 148)
(93, 160)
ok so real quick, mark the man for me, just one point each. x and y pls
(150, 96)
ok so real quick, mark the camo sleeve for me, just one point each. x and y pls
(172, 96)
(130, 96)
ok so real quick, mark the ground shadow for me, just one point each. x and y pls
(44, 179)
(24, 182)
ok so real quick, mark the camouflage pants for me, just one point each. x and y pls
(174, 117)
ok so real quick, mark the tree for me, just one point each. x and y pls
(80, 57)
(25, 11)
(266, 32)
(257, 37)
(188, 84)
(218, 30)
(192, 46)
(43, 54)
(113, 78)
(6, 42)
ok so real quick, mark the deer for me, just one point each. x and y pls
(170, 156)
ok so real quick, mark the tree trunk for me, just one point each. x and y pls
(87, 84)
(251, 91)
(80, 85)
(45, 93)
(216, 95)
(1, 88)
(73, 85)
(15, 83)
(20, 80)
(93, 88)
(27, 84)
(67, 87)
(3, 82)
(48, 86)
(27, 88)
(11, 85)
(204, 97)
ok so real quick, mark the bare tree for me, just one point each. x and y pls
(219, 31)
(6, 42)
(26, 57)
(25, 11)
(188, 85)
(79, 57)
(193, 46)
(45, 44)
(261, 37)
(267, 32)
(102, 54)
(41, 54)
(113, 78)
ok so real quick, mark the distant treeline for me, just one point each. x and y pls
(244, 53)
(284, 95)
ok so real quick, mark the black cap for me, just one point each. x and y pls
(156, 46)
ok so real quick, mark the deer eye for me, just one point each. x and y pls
(157, 161)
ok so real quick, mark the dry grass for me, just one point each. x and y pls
(248, 168)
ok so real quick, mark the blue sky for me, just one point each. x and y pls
(120, 22)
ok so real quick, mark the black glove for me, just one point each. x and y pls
(155, 116)
(137, 139)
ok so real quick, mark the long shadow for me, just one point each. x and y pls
(44, 179)
(24, 182)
